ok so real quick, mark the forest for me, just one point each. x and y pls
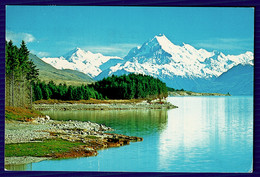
(22, 84)
(131, 86)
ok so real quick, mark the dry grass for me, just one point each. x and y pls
(21, 114)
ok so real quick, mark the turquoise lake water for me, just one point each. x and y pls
(205, 134)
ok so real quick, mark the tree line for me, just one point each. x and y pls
(173, 89)
(131, 86)
(20, 74)
(63, 92)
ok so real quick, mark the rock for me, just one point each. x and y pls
(47, 118)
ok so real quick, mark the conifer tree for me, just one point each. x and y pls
(20, 73)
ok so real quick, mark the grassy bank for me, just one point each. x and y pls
(46, 148)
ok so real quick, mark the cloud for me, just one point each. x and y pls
(40, 54)
(219, 46)
(120, 49)
(18, 37)
(43, 54)
(231, 44)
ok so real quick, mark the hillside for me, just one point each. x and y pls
(48, 72)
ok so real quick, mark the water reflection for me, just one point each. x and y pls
(208, 134)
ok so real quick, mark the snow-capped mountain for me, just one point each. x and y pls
(83, 61)
(159, 57)
(178, 66)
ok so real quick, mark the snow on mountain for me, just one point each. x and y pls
(83, 61)
(161, 58)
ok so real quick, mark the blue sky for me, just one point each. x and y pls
(54, 30)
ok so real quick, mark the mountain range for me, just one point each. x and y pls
(179, 66)
(48, 73)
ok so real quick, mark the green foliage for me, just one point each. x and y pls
(39, 149)
(131, 86)
(64, 92)
(170, 89)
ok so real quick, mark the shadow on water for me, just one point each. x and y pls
(21, 167)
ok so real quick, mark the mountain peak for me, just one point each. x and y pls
(76, 49)
(163, 40)
(160, 35)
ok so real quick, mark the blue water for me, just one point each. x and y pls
(205, 134)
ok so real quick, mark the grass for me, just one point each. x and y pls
(46, 148)
(91, 101)
(20, 114)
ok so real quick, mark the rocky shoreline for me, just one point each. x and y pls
(155, 104)
(189, 93)
(93, 136)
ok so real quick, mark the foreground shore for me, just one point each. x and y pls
(89, 138)
(25, 140)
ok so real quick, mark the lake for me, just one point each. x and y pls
(205, 134)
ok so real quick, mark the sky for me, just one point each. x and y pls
(52, 31)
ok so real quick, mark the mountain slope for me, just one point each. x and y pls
(239, 80)
(48, 72)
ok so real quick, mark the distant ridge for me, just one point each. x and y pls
(239, 80)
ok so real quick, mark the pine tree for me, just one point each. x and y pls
(12, 65)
